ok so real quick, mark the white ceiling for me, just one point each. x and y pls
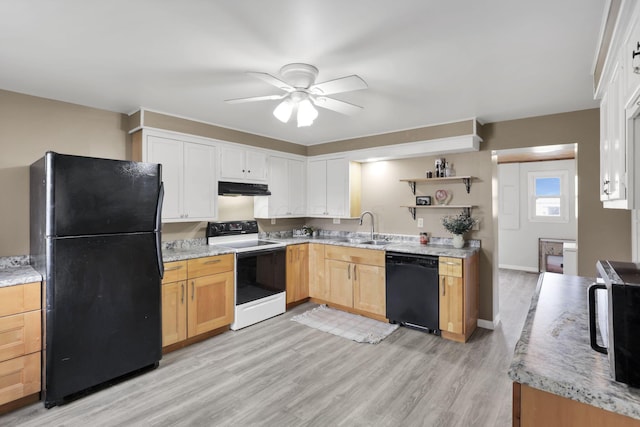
(425, 61)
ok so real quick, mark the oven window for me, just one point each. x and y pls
(260, 274)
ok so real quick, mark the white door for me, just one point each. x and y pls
(200, 181)
(317, 187)
(232, 163)
(297, 187)
(168, 152)
(337, 187)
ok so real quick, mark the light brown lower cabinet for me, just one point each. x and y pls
(458, 297)
(534, 408)
(353, 280)
(20, 342)
(297, 273)
(197, 297)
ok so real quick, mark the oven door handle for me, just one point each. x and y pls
(251, 253)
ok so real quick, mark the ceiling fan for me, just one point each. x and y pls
(302, 93)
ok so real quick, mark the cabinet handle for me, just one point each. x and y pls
(182, 297)
(213, 261)
(177, 267)
(355, 272)
(635, 53)
(450, 263)
(444, 287)
(349, 272)
(193, 290)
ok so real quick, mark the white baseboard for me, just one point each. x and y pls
(488, 324)
(518, 267)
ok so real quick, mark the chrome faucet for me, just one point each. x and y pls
(362, 217)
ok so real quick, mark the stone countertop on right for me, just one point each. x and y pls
(554, 355)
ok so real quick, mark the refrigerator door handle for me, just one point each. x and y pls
(158, 229)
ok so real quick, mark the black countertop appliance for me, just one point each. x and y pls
(619, 318)
(95, 238)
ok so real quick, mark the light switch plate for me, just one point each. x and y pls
(273, 221)
(336, 220)
(420, 222)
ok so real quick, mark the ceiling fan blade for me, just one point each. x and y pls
(335, 105)
(343, 84)
(274, 81)
(254, 98)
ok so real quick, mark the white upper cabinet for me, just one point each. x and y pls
(242, 165)
(619, 93)
(287, 178)
(333, 188)
(188, 174)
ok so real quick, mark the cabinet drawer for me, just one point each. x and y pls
(175, 271)
(355, 255)
(210, 265)
(19, 377)
(19, 298)
(20, 335)
(450, 266)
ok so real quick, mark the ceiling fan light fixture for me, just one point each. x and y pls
(306, 113)
(283, 111)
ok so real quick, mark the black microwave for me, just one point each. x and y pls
(618, 310)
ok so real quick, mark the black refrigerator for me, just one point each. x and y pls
(95, 238)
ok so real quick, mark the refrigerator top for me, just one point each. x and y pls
(94, 196)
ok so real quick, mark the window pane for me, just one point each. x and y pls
(547, 186)
(548, 206)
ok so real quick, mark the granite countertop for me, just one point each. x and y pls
(554, 354)
(18, 275)
(180, 254)
(405, 246)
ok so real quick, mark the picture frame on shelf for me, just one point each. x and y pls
(423, 200)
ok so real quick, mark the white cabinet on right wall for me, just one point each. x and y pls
(333, 188)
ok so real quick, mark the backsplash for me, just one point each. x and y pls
(14, 261)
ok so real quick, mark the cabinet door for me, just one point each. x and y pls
(20, 334)
(199, 181)
(337, 187)
(317, 187)
(174, 312)
(318, 287)
(297, 273)
(232, 165)
(339, 276)
(278, 202)
(632, 63)
(256, 166)
(451, 304)
(297, 180)
(168, 152)
(210, 303)
(617, 140)
(369, 292)
(19, 377)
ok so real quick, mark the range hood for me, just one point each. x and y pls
(226, 188)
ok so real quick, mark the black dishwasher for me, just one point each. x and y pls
(412, 290)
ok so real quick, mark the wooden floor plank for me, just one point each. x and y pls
(281, 373)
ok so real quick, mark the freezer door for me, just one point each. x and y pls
(103, 309)
(99, 196)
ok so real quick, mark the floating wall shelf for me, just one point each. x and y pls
(413, 181)
(465, 208)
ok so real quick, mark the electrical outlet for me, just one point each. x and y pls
(420, 223)
(336, 220)
(273, 221)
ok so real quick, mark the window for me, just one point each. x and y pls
(548, 196)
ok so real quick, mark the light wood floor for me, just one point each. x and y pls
(281, 373)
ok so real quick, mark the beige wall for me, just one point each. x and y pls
(602, 233)
(29, 127)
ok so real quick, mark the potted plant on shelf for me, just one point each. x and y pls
(458, 225)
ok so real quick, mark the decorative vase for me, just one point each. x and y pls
(458, 241)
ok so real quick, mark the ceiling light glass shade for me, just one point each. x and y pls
(283, 110)
(306, 113)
